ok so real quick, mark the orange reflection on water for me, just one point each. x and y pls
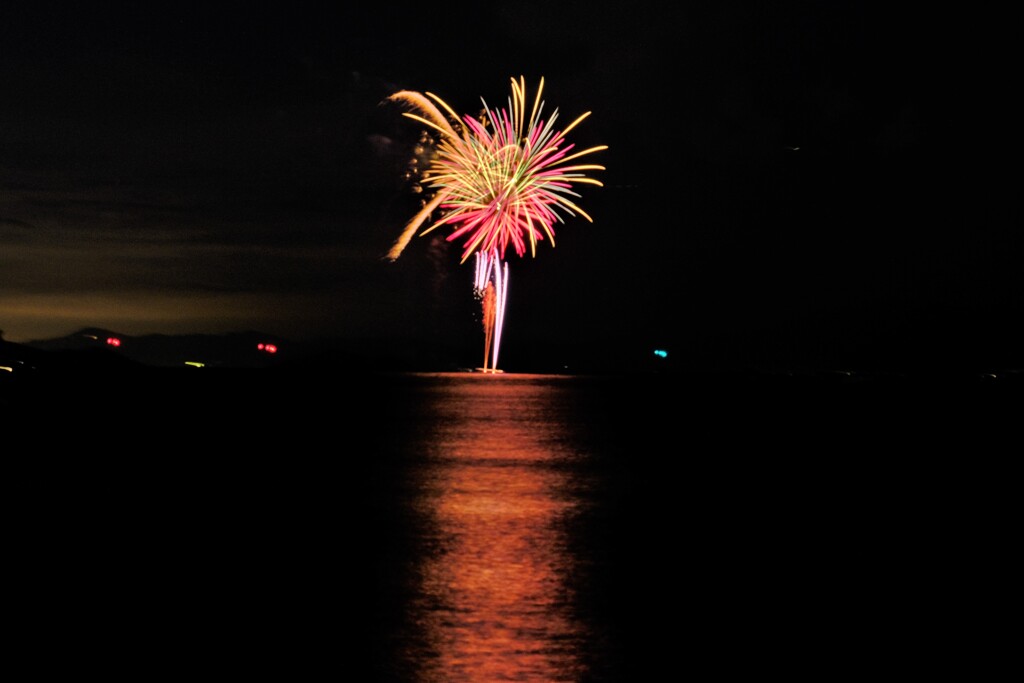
(494, 601)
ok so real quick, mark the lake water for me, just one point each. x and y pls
(469, 527)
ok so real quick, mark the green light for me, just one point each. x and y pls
(661, 353)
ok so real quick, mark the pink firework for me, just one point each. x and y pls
(504, 180)
(498, 181)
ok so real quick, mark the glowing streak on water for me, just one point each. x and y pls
(494, 490)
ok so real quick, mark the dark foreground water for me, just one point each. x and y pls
(469, 527)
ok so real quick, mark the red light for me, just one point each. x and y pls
(260, 346)
(269, 348)
(113, 341)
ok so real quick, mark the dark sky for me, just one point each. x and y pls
(816, 181)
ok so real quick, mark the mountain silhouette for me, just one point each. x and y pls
(93, 345)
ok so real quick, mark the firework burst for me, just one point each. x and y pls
(498, 181)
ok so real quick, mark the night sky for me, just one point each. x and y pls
(814, 184)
